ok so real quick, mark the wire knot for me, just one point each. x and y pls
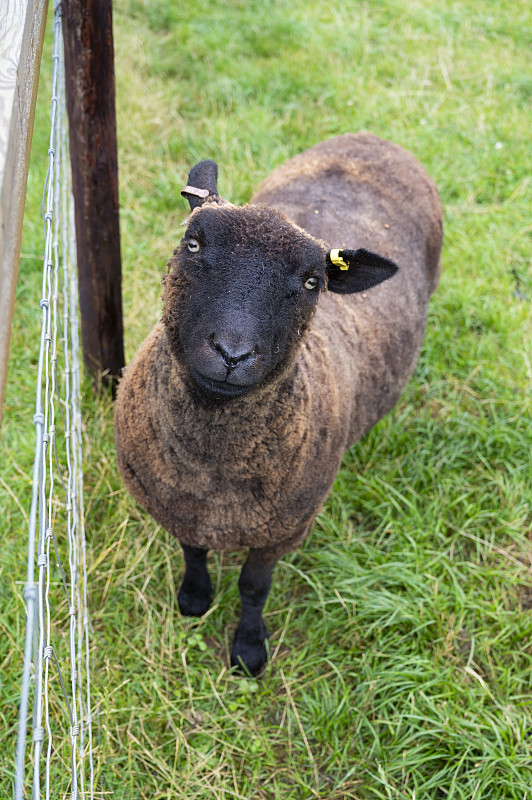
(49, 533)
(74, 731)
(38, 734)
(44, 303)
(48, 651)
(48, 216)
(72, 611)
(42, 560)
(38, 419)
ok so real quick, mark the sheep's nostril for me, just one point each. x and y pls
(233, 355)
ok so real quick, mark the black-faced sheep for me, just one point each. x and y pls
(274, 354)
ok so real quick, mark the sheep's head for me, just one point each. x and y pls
(243, 286)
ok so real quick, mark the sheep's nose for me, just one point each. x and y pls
(233, 354)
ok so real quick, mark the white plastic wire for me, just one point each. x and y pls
(56, 510)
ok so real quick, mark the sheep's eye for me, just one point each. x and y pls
(193, 245)
(311, 283)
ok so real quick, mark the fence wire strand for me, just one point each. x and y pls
(56, 522)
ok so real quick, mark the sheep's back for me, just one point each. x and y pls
(358, 190)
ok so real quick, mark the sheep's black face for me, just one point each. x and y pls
(240, 295)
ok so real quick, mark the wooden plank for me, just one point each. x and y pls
(22, 25)
(90, 100)
(12, 17)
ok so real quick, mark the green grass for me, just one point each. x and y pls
(401, 631)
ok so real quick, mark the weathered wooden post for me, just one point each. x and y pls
(90, 100)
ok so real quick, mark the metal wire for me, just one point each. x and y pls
(56, 522)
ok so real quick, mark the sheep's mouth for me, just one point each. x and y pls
(218, 390)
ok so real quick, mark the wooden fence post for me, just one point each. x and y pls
(22, 24)
(90, 101)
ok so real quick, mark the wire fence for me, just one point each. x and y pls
(58, 760)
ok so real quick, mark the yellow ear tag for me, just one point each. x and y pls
(337, 260)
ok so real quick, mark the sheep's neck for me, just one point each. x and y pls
(237, 436)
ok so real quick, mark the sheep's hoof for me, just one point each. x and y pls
(194, 601)
(249, 653)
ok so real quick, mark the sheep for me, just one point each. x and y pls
(284, 338)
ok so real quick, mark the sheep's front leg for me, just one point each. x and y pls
(195, 593)
(249, 647)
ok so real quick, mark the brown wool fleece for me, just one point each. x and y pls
(254, 471)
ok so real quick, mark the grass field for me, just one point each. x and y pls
(401, 631)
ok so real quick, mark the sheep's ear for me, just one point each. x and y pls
(202, 184)
(351, 271)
